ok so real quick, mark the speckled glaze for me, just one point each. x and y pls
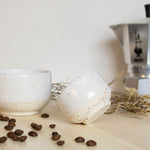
(24, 92)
(85, 98)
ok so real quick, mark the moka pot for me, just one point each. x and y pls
(135, 41)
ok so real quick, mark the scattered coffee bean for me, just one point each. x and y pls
(4, 118)
(33, 125)
(12, 120)
(11, 124)
(79, 139)
(15, 138)
(91, 143)
(52, 126)
(32, 133)
(3, 139)
(7, 127)
(36, 126)
(60, 143)
(19, 132)
(23, 138)
(10, 134)
(54, 133)
(1, 116)
(56, 137)
(45, 115)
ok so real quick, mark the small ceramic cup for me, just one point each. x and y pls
(24, 92)
(85, 99)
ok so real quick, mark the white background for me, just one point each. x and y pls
(67, 37)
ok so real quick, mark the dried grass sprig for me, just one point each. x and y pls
(57, 88)
(116, 78)
(129, 100)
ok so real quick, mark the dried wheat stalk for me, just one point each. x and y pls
(129, 100)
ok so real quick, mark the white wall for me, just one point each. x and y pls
(67, 37)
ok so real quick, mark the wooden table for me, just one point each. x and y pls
(111, 132)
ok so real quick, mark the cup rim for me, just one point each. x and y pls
(23, 71)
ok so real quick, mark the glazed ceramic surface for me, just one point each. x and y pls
(84, 97)
(24, 92)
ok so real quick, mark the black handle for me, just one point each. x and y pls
(147, 10)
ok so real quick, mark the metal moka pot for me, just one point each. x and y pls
(135, 40)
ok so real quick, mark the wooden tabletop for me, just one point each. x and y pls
(111, 132)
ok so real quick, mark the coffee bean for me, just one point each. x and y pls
(4, 118)
(23, 138)
(33, 125)
(60, 143)
(36, 126)
(56, 137)
(79, 139)
(54, 133)
(10, 134)
(1, 116)
(3, 139)
(91, 143)
(19, 132)
(12, 120)
(52, 126)
(11, 124)
(32, 133)
(15, 138)
(45, 115)
(7, 127)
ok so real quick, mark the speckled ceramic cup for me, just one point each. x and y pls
(24, 92)
(85, 99)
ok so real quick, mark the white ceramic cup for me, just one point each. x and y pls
(24, 92)
(85, 98)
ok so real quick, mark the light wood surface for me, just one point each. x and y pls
(111, 132)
